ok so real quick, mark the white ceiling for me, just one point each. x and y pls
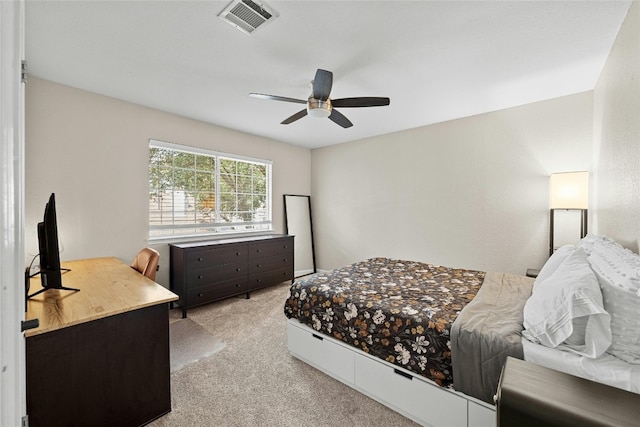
(436, 60)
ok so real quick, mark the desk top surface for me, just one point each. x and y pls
(107, 287)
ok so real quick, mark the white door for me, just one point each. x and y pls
(12, 258)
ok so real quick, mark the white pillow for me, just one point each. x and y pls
(559, 305)
(624, 308)
(618, 271)
(554, 262)
(588, 241)
(616, 265)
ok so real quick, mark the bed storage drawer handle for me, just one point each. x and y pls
(404, 374)
(318, 337)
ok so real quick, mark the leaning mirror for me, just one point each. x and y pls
(297, 216)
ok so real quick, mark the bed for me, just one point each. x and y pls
(401, 315)
(449, 331)
(379, 306)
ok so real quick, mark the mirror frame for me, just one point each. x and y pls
(288, 223)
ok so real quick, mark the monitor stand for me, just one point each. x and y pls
(64, 288)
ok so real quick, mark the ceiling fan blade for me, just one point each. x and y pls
(322, 84)
(364, 101)
(277, 98)
(340, 119)
(297, 116)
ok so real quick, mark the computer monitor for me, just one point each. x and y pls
(50, 269)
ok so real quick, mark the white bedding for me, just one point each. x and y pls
(606, 369)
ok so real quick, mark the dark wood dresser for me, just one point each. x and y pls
(202, 272)
(533, 396)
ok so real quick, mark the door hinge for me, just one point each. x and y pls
(24, 72)
(25, 421)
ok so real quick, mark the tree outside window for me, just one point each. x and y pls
(194, 192)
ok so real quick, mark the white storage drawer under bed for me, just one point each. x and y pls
(409, 395)
(397, 388)
(319, 351)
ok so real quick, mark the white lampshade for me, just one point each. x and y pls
(569, 190)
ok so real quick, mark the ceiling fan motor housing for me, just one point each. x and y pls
(319, 108)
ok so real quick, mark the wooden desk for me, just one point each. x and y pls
(100, 356)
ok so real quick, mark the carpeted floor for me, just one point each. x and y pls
(254, 381)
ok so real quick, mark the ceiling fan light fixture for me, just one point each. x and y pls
(318, 108)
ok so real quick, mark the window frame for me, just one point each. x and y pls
(217, 228)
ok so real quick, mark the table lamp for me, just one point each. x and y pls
(568, 191)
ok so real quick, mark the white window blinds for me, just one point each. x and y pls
(195, 192)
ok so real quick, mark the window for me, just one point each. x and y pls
(194, 192)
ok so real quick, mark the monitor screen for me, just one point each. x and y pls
(50, 274)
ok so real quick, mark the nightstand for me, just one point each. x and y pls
(531, 396)
(532, 272)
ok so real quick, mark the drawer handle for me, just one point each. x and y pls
(200, 259)
(238, 269)
(238, 253)
(258, 250)
(258, 266)
(318, 337)
(201, 294)
(200, 277)
(237, 285)
(404, 374)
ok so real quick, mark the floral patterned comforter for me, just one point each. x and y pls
(399, 311)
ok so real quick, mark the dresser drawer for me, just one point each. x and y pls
(204, 294)
(268, 278)
(268, 248)
(204, 276)
(212, 256)
(266, 263)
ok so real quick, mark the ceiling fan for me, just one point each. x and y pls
(320, 105)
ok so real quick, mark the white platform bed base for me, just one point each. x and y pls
(403, 391)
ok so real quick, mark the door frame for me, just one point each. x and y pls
(12, 285)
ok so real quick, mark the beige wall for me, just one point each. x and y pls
(474, 192)
(617, 137)
(92, 151)
(469, 193)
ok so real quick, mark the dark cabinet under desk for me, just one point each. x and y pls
(203, 272)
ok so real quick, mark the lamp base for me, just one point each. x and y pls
(583, 225)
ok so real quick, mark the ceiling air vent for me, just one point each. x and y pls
(247, 16)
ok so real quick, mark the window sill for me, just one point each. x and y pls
(205, 237)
